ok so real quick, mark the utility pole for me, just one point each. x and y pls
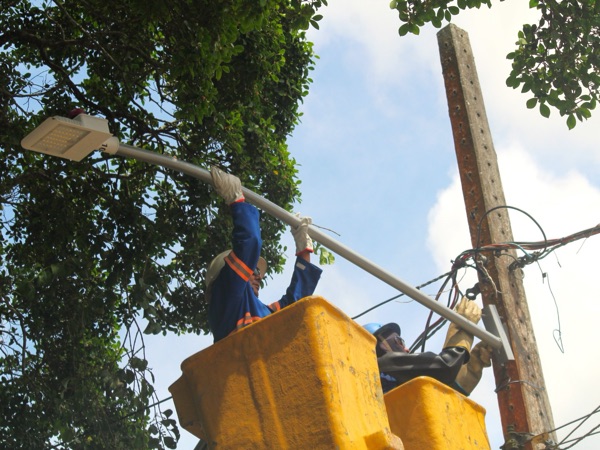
(522, 397)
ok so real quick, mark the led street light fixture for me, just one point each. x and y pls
(72, 139)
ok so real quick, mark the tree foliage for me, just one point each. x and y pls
(557, 60)
(95, 254)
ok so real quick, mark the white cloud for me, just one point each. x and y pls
(366, 32)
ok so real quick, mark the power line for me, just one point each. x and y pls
(398, 296)
(540, 249)
(574, 441)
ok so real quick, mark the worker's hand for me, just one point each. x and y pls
(300, 233)
(457, 337)
(470, 374)
(481, 355)
(469, 310)
(228, 186)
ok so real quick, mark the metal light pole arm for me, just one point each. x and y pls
(276, 211)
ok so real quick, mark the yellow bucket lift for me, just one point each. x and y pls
(306, 377)
(429, 415)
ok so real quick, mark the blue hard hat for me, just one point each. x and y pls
(377, 328)
(372, 327)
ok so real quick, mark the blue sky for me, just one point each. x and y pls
(377, 166)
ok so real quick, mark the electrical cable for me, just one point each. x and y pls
(576, 440)
(506, 207)
(397, 296)
(557, 333)
(542, 248)
(432, 329)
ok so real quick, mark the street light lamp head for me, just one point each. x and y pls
(72, 139)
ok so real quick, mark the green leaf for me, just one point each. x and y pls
(440, 14)
(170, 442)
(512, 81)
(544, 110)
(168, 422)
(404, 29)
(586, 113)
(129, 376)
(152, 328)
(138, 364)
(571, 121)
(531, 103)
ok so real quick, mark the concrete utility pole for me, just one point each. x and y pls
(522, 396)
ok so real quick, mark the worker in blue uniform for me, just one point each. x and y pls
(455, 365)
(233, 278)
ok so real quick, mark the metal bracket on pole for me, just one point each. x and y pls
(492, 322)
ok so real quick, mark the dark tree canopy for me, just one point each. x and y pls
(556, 60)
(90, 251)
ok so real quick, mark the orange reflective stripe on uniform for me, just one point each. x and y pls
(238, 266)
(245, 321)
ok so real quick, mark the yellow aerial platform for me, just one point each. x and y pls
(306, 377)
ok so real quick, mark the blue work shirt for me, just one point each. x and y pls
(233, 304)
